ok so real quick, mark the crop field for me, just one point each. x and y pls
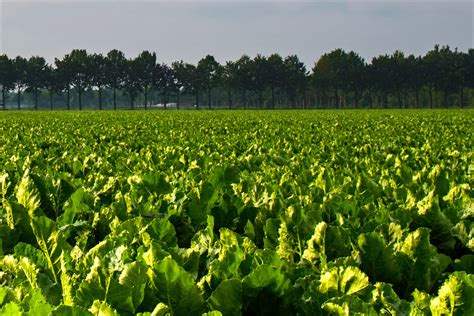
(237, 213)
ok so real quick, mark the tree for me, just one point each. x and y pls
(341, 72)
(20, 66)
(64, 78)
(52, 82)
(432, 71)
(275, 75)
(180, 79)
(379, 73)
(165, 82)
(260, 74)
(116, 72)
(98, 74)
(78, 64)
(133, 81)
(35, 76)
(193, 80)
(208, 70)
(470, 69)
(295, 79)
(230, 79)
(415, 78)
(328, 72)
(243, 73)
(145, 67)
(6, 77)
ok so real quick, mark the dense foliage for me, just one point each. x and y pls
(283, 213)
(441, 78)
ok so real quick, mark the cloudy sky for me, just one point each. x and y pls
(227, 29)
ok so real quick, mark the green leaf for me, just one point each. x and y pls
(100, 308)
(175, 287)
(134, 278)
(342, 280)
(420, 263)
(63, 310)
(11, 309)
(348, 305)
(455, 296)
(377, 260)
(50, 242)
(465, 263)
(156, 182)
(265, 277)
(27, 195)
(37, 305)
(227, 297)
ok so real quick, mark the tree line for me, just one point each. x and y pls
(441, 78)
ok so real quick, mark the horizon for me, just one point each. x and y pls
(229, 29)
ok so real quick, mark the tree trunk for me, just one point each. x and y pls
(431, 97)
(18, 98)
(115, 99)
(260, 99)
(146, 96)
(100, 98)
(336, 96)
(445, 97)
(68, 99)
(229, 98)
(51, 100)
(36, 98)
(177, 101)
(273, 97)
(165, 98)
(461, 97)
(3, 98)
(209, 96)
(197, 100)
(399, 98)
(131, 102)
(417, 98)
(80, 98)
(245, 99)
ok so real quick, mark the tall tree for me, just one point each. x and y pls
(328, 72)
(6, 77)
(116, 72)
(230, 79)
(165, 82)
(20, 68)
(35, 76)
(180, 79)
(98, 74)
(470, 69)
(208, 70)
(53, 83)
(260, 73)
(145, 65)
(295, 79)
(379, 77)
(433, 71)
(243, 72)
(78, 63)
(275, 75)
(64, 78)
(414, 79)
(133, 81)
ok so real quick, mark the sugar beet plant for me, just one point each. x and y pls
(282, 213)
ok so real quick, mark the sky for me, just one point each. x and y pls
(189, 30)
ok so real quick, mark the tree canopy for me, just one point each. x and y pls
(443, 77)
